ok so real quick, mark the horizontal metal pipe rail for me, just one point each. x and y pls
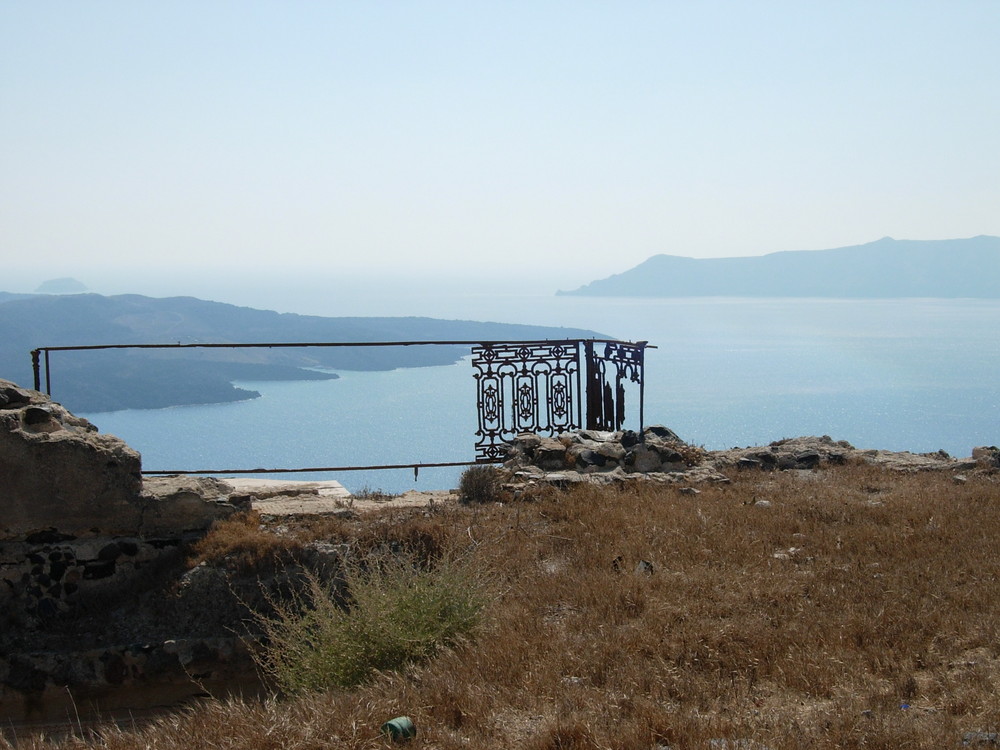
(36, 364)
(322, 469)
(36, 355)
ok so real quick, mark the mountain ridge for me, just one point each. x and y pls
(109, 380)
(886, 268)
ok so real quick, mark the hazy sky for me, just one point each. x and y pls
(573, 139)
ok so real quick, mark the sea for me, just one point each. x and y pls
(919, 375)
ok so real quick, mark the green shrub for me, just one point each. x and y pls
(398, 614)
(480, 484)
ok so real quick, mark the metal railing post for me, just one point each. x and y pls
(36, 368)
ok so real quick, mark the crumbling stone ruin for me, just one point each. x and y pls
(77, 516)
(659, 455)
(79, 533)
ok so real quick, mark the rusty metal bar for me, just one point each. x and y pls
(302, 344)
(270, 345)
(319, 469)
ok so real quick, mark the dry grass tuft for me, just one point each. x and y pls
(426, 539)
(481, 484)
(856, 608)
(691, 455)
(242, 542)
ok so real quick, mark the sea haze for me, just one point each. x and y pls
(902, 374)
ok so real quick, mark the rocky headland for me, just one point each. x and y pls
(968, 268)
(183, 350)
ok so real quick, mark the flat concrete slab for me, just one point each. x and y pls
(265, 488)
(288, 497)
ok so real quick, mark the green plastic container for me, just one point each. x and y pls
(400, 728)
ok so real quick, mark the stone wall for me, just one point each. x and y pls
(77, 520)
(57, 470)
(80, 532)
(659, 455)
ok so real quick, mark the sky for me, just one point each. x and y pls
(563, 141)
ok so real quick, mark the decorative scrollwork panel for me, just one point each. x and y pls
(524, 387)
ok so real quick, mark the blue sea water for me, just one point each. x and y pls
(910, 374)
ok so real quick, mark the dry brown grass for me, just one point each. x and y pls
(854, 609)
(243, 543)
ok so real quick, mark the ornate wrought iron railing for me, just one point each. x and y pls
(538, 386)
(545, 387)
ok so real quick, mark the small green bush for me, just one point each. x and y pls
(398, 614)
(480, 484)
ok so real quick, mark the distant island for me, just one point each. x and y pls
(109, 380)
(65, 285)
(885, 268)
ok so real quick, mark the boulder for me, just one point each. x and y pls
(599, 436)
(642, 459)
(550, 454)
(807, 459)
(588, 460)
(987, 457)
(663, 433)
(615, 451)
(526, 442)
(629, 439)
(11, 396)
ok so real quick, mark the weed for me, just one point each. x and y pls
(425, 540)
(691, 455)
(480, 484)
(398, 613)
(375, 495)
